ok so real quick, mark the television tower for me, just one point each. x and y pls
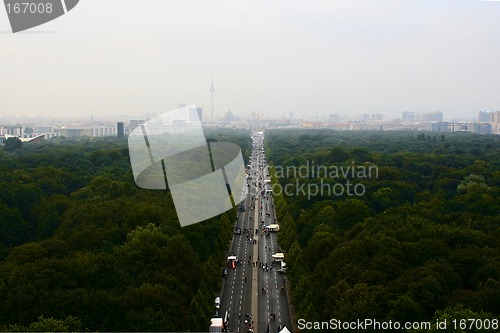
(212, 89)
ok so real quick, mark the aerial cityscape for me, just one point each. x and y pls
(250, 166)
(485, 122)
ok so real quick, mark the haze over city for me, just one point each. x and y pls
(314, 58)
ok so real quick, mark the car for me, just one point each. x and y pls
(282, 270)
(217, 302)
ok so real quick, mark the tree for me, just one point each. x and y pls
(68, 324)
(12, 143)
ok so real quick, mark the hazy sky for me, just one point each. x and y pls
(273, 57)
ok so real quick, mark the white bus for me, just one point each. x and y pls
(278, 257)
(273, 227)
(217, 325)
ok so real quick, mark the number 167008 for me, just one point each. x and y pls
(29, 7)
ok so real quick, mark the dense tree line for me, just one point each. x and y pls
(83, 248)
(422, 243)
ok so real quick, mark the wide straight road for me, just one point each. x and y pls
(254, 295)
(236, 296)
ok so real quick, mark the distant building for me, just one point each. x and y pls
(496, 117)
(93, 131)
(440, 126)
(432, 116)
(334, 117)
(478, 128)
(422, 117)
(16, 130)
(229, 117)
(363, 117)
(481, 128)
(134, 124)
(120, 130)
(42, 129)
(495, 128)
(485, 116)
(47, 131)
(28, 132)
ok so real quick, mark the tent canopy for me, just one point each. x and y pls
(285, 330)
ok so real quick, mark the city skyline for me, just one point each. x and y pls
(310, 59)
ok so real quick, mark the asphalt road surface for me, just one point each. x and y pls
(254, 295)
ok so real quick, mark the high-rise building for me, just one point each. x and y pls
(485, 116)
(488, 117)
(424, 117)
(483, 128)
(120, 130)
(496, 117)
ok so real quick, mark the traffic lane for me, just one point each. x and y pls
(242, 300)
(267, 291)
(239, 295)
(274, 309)
(244, 307)
(274, 313)
(236, 296)
(278, 281)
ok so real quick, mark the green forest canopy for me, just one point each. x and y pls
(83, 248)
(422, 243)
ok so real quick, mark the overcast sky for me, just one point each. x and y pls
(311, 58)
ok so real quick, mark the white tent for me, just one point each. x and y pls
(285, 330)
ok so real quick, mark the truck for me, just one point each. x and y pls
(278, 257)
(232, 261)
(216, 326)
(273, 227)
